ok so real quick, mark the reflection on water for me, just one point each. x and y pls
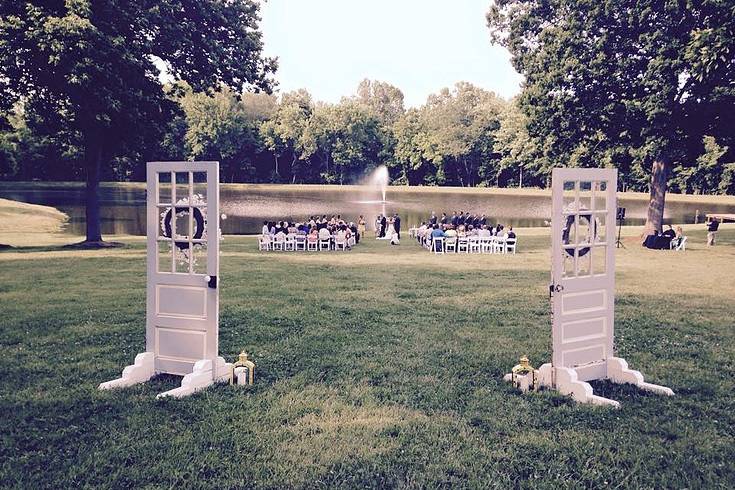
(123, 207)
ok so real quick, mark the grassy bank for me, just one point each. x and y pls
(376, 367)
(23, 224)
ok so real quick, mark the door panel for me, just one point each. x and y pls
(583, 263)
(183, 251)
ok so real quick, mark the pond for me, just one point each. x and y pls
(247, 205)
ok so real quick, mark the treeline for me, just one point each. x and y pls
(464, 136)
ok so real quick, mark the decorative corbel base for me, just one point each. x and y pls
(139, 372)
(202, 376)
(618, 372)
(566, 381)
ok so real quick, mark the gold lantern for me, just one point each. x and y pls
(242, 366)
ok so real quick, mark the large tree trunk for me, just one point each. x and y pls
(93, 159)
(655, 216)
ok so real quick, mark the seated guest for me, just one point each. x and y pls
(291, 228)
(313, 236)
(669, 233)
(461, 231)
(324, 234)
(341, 234)
(421, 233)
(471, 231)
(266, 230)
(511, 233)
(450, 232)
(484, 232)
(437, 232)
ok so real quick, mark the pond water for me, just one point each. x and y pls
(246, 206)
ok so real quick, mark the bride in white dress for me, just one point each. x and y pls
(390, 230)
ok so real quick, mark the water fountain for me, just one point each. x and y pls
(378, 180)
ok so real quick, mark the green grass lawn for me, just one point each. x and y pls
(379, 367)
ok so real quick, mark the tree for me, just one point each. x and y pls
(632, 82)
(383, 99)
(283, 134)
(462, 123)
(223, 127)
(91, 65)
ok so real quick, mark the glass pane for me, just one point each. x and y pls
(199, 255)
(182, 257)
(182, 187)
(585, 195)
(600, 228)
(583, 262)
(569, 196)
(200, 188)
(585, 228)
(164, 221)
(164, 187)
(569, 233)
(568, 266)
(599, 260)
(164, 256)
(183, 223)
(600, 196)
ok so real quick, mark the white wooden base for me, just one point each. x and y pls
(566, 381)
(618, 372)
(202, 376)
(139, 372)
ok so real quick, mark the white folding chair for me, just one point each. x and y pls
(324, 244)
(510, 245)
(279, 244)
(463, 245)
(682, 245)
(264, 243)
(451, 244)
(499, 245)
(300, 242)
(312, 246)
(486, 244)
(438, 245)
(290, 244)
(340, 244)
(473, 244)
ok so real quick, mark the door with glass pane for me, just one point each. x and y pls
(183, 264)
(583, 269)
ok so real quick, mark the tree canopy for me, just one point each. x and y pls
(90, 67)
(627, 83)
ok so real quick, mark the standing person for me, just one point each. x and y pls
(712, 227)
(377, 227)
(432, 220)
(383, 222)
(483, 220)
(360, 228)
(455, 219)
(444, 220)
(397, 225)
(265, 231)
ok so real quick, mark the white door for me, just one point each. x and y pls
(583, 269)
(182, 317)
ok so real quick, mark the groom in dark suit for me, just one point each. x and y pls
(382, 226)
(397, 225)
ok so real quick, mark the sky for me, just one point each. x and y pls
(420, 46)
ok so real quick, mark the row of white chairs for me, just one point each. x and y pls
(471, 244)
(295, 243)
